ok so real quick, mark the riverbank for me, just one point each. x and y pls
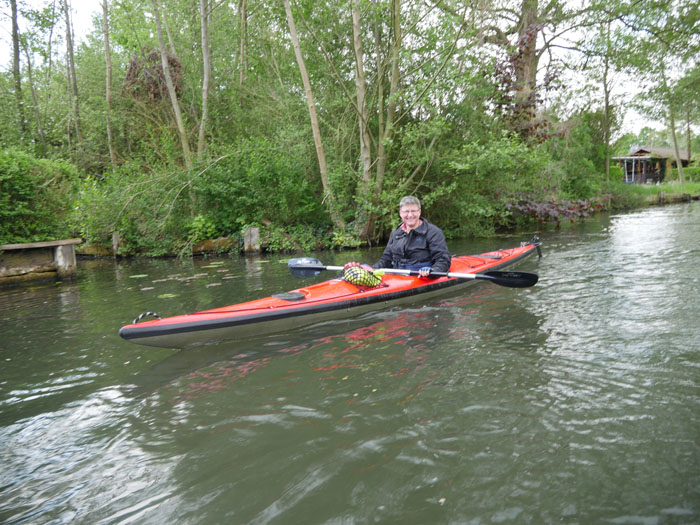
(662, 198)
(643, 197)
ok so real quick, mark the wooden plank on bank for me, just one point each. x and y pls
(44, 244)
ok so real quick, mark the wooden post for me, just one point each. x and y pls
(64, 259)
(251, 239)
(116, 242)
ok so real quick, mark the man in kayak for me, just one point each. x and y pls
(416, 244)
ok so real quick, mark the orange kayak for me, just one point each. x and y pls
(319, 302)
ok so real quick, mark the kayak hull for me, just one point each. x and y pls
(316, 303)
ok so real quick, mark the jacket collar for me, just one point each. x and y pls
(422, 228)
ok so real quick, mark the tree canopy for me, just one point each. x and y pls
(225, 113)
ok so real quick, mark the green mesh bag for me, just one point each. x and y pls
(361, 277)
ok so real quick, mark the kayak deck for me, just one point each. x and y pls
(311, 304)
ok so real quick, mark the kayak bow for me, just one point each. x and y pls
(330, 299)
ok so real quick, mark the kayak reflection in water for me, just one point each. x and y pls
(416, 244)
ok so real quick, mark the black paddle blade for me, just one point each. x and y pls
(305, 266)
(511, 279)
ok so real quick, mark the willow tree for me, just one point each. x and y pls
(414, 64)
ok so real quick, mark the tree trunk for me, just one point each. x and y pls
(688, 135)
(243, 35)
(184, 142)
(206, 77)
(171, 42)
(108, 82)
(73, 79)
(16, 70)
(337, 219)
(526, 73)
(672, 123)
(388, 129)
(35, 102)
(606, 100)
(363, 117)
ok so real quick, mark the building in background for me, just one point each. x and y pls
(649, 164)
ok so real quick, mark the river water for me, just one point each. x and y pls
(575, 401)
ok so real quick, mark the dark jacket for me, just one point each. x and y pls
(423, 246)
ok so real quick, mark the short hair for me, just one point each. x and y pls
(409, 200)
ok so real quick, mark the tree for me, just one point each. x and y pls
(661, 37)
(73, 79)
(243, 32)
(108, 82)
(687, 94)
(320, 153)
(206, 76)
(182, 133)
(599, 66)
(16, 69)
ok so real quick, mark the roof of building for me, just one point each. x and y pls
(655, 152)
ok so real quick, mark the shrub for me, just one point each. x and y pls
(36, 196)
(617, 173)
(253, 182)
(692, 173)
(487, 174)
(152, 212)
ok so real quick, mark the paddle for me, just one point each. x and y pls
(308, 267)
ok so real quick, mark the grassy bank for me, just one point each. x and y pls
(629, 196)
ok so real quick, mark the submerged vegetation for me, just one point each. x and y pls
(178, 122)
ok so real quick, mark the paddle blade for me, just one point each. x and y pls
(305, 266)
(511, 279)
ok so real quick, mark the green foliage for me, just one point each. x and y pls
(256, 181)
(628, 196)
(578, 160)
(260, 165)
(166, 211)
(487, 175)
(616, 173)
(675, 188)
(36, 196)
(341, 240)
(692, 173)
(299, 238)
(201, 229)
(152, 212)
(624, 196)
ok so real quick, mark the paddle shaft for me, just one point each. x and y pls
(508, 279)
(411, 272)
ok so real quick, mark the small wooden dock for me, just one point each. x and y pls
(38, 261)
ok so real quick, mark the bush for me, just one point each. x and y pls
(36, 196)
(617, 174)
(164, 212)
(152, 212)
(692, 173)
(487, 175)
(581, 180)
(257, 182)
(624, 196)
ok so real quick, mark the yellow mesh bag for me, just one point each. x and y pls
(361, 277)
